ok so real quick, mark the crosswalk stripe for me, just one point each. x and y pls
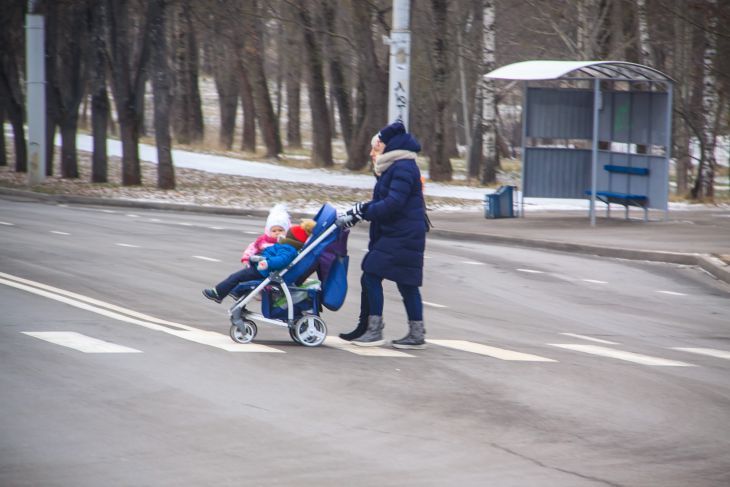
(80, 342)
(598, 340)
(481, 349)
(712, 352)
(221, 341)
(340, 344)
(621, 355)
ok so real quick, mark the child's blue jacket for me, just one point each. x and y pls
(278, 256)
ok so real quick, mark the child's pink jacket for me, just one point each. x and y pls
(257, 246)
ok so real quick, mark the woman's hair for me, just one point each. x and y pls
(375, 139)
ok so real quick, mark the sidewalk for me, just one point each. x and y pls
(692, 237)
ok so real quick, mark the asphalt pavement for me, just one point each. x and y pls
(699, 236)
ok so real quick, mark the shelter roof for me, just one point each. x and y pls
(547, 70)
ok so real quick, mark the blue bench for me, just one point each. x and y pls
(625, 199)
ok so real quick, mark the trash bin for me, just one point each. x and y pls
(500, 203)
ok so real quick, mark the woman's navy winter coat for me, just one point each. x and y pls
(397, 219)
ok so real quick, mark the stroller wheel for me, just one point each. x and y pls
(310, 330)
(293, 335)
(243, 337)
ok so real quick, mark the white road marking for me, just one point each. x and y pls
(499, 353)
(223, 342)
(185, 224)
(156, 220)
(216, 228)
(80, 342)
(108, 211)
(125, 315)
(594, 281)
(8, 224)
(132, 215)
(202, 257)
(59, 233)
(252, 233)
(127, 245)
(531, 271)
(712, 352)
(621, 355)
(672, 293)
(434, 305)
(340, 344)
(575, 335)
(471, 262)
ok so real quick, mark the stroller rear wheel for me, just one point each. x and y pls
(243, 336)
(310, 331)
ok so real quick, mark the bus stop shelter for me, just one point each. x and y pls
(595, 129)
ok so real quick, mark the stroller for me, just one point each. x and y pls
(286, 300)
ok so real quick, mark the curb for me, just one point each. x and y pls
(709, 263)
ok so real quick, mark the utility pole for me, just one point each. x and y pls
(400, 63)
(35, 102)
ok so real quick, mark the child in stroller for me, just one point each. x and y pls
(285, 301)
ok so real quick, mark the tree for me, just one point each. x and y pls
(11, 93)
(65, 69)
(99, 96)
(321, 129)
(252, 59)
(128, 49)
(187, 117)
(161, 89)
(705, 182)
(439, 164)
(488, 97)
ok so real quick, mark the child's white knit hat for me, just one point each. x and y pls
(278, 217)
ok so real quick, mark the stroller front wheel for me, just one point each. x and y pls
(310, 331)
(243, 336)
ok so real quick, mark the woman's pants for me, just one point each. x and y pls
(410, 294)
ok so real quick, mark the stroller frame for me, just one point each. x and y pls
(309, 330)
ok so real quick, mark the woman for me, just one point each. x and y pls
(397, 219)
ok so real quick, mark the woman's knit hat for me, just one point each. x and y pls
(386, 134)
(393, 135)
(278, 217)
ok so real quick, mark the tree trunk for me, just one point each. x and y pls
(3, 155)
(646, 56)
(705, 185)
(99, 97)
(249, 110)
(131, 171)
(439, 164)
(188, 114)
(253, 60)
(69, 163)
(321, 130)
(338, 84)
(293, 67)
(161, 90)
(226, 83)
(372, 101)
(127, 82)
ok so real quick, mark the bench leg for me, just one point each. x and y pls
(627, 211)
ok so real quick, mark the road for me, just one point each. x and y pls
(544, 369)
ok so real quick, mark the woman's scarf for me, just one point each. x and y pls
(384, 161)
